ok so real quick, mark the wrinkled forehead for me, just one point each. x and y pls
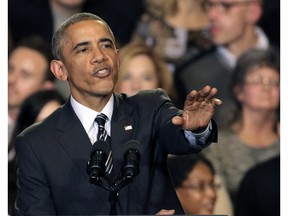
(97, 28)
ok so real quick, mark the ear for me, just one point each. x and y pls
(58, 69)
(255, 12)
(238, 93)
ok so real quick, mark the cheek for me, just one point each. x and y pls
(190, 201)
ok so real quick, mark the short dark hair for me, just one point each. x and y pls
(40, 45)
(252, 59)
(58, 36)
(180, 166)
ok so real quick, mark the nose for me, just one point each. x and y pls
(212, 13)
(136, 85)
(98, 56)
(211, 192)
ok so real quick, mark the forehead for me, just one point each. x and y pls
(88, 28)
(26, 57)
(264, 70)
(27, 53)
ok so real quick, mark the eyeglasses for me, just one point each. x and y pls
(263, 81)
(202, 187)
(223, 6)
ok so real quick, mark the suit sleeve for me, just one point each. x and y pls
(33, 196)
(172, 137)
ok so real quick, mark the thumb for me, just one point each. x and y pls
(177, 120)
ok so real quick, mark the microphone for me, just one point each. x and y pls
(132, 155)
(96, 164)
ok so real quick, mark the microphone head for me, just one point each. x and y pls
(98, 157)
(133, 145)
(100, 145)
(132, 155)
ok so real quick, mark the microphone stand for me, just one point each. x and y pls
(113, 188)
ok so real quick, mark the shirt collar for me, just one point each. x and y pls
(230, 58)
(87, 115)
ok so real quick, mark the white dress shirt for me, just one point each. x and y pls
(87, 117)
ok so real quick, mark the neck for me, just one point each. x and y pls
(96, 103)
(257, 128)
(247, 41)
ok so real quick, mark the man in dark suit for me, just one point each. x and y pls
(234, 30)
(53, 155)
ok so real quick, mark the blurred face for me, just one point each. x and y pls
(228, 19)
(90, 62)
(197, 194)
(139, 74)
(26, 74)
(261, 90)
(47, 110)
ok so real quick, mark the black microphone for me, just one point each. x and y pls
(132, 156)
(96, 164)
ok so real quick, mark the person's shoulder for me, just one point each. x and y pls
(203, 57)
(149, 94)
(42, 127)
(145, 99)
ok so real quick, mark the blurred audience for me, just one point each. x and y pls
(141, 69)
(34, 17)
(175, 29)
(28, 72)
(34, 109)
(122, 16)
(252, 136)
(234, 30)
(196, 187)
(43, 17)
(259, 191)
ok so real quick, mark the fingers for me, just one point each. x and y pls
(206, 94)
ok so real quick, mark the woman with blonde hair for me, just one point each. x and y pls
(141, 69)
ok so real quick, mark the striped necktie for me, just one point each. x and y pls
(102, 135)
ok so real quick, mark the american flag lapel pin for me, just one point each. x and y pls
(128, 127)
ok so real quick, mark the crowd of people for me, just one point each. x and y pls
(218, 63)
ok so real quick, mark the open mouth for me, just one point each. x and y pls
(102, 72)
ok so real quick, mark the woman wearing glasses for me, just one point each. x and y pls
(252, 136)
(196, 185)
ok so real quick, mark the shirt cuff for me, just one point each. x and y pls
(198, 140)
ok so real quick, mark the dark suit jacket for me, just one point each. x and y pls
(52, 159)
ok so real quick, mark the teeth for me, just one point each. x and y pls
(102, 71)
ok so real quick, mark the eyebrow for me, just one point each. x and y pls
(85, 43)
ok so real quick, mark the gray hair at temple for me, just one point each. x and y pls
(59, 36)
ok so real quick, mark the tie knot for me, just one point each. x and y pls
(101, 119)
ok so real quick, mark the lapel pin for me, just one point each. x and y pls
(128, 127)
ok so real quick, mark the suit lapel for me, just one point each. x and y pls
(75, 141)
(72, 136)
(123, 127)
